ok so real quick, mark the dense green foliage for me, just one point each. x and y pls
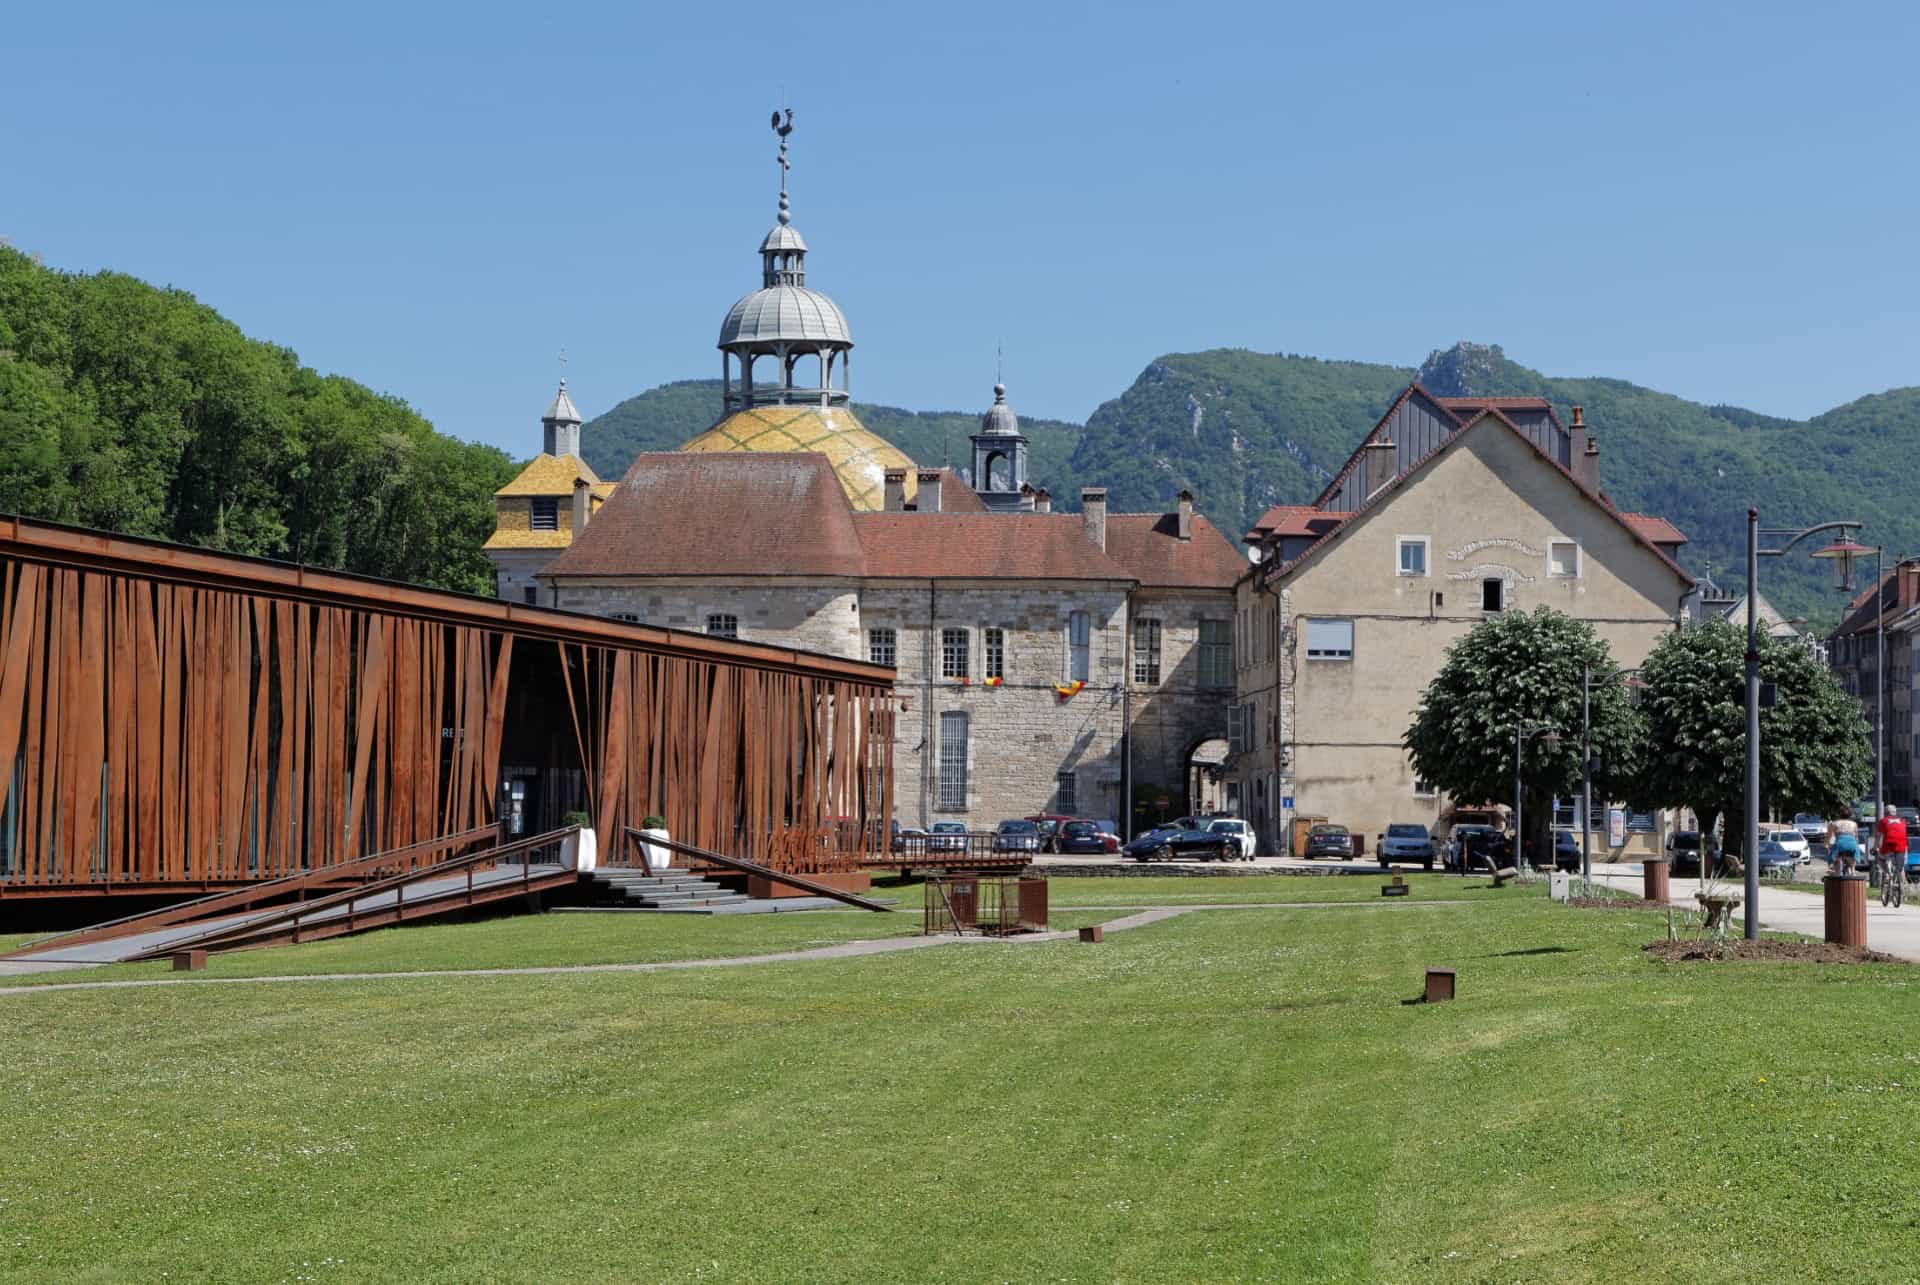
(663, 418)
(138, 410)
(1200, 1099)
(1814, 749)
(1523, 669)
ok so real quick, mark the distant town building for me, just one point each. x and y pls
(1452, 509)
(1854, 653)
(538, 513)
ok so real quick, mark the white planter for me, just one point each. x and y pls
(658, 857)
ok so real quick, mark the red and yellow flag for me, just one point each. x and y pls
(1067, 691)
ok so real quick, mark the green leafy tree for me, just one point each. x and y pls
(1814, 749)
(1523, 669)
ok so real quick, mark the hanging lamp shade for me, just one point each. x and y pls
(1844, 553)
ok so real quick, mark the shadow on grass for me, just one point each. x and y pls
(1534, 950)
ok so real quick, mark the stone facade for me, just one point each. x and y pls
(1184, 704)
(1502, 528)
(812, 614)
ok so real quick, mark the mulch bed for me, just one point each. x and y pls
(1616, 903)
(1792, 952)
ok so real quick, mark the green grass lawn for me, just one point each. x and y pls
(1225, 1096)
(1193, 890)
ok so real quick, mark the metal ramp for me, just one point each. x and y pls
(370, 898)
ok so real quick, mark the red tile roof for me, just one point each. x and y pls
(713, 514)
(1149, 546)
(956, 496)
(1284, 520)
(1656, 529)
(1019, 546)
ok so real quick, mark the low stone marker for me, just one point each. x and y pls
(1560, 885)
(189, 961)
(1398, 888)
(1093, 932)
(1439, 985)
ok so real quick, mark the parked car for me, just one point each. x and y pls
(1812, 828)
(1329, 841)
(1086, 837)
(1473, 846)
(1016, 836)
(1405, 842)
(1792, 840)
(1049, 824)
(1913, 855)
(1776, 859)
(947, 836)
(907, 837)
(1565, 854)
(1108, 827)
(1170, 842)
(1239, 831)
(1683, 850)
(1566, 850)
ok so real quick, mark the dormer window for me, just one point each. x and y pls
(545, 515)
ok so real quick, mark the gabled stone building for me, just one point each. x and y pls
(1451, 509)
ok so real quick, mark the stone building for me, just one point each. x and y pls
(1452, 509)
(538, 513)
(1854, 652)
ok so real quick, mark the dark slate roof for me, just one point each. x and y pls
(1015, 546)
(1149, 546)
(710, 514)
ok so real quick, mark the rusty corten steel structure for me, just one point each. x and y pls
(174, 719)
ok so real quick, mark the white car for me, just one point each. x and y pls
(1792, 840)
(1242, 833)
(1810, 827)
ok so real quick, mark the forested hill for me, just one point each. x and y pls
(136, 409)
(663, 418)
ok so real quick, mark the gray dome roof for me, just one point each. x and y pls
(1000, 418)
(783, 237)
(784, 313)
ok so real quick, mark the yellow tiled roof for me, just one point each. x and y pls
(860, 458)
(530, 539)
(549, 475)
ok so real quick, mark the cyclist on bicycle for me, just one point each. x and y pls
(1890, 831)
(1843, 842)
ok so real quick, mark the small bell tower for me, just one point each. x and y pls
(1000, 457)
(560, 426)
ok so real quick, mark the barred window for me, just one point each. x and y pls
(953, 653)
(882, 646)
(1079, 647)
(1216, 653)
(953, 761)
(723, 625)
(545, 515)
(993, 645)
(1146, 651)
(1066, 789)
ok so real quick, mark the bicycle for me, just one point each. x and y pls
(1893, 880)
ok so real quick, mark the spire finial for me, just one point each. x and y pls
(783, 129)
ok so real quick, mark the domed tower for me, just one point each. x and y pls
(772, 344)
(1000, 456)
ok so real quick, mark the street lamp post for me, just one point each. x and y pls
(1774, 542)
(1521, 735)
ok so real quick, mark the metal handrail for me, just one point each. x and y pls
(214, 938)
(240, 898)
(753, 867)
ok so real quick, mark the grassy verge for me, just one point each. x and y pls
(1222, 1096)
(1197, 890)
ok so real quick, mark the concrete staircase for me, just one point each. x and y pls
(666, 890)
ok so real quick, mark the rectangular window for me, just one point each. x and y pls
(1566, 814)
(1413, 555)
(626, 617)
(1422, 788)
(1146, 651)
(545, 515)
(1493, 593)
(723, 625)
(953, 653)
(993, 648)
(1216, 653)
(1079, 647)
(1563, 559)
(882, 646)
(1237, 728)
(953, 761)
(1066, 789)
(531, 594)
(1329, 639)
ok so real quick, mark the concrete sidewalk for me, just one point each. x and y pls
(1894, 932)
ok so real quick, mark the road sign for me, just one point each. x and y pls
(1286, 801)
(1616, 827)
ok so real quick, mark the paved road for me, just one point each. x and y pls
(1896, 932)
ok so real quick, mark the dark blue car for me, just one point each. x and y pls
(1172, 843)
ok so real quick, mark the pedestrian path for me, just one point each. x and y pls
(1890, 931)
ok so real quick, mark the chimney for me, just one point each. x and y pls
(896, 490)
(1380, 462)
(1043, 501)
(928, 499)
(1186, 515)
(1583, 452)
(1026, 497)
(582, 499)
(1909, 583)
(1093, 515)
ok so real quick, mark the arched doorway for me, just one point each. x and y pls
(1205, 778)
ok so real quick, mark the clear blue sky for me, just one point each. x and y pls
(1716, 200)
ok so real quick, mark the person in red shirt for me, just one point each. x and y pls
(1891, 831)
